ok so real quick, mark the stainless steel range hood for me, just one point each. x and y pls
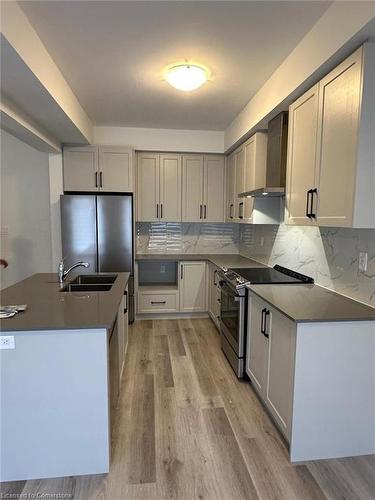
(276, 160)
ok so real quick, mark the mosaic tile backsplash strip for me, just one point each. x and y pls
(329, 255)
(176, 237)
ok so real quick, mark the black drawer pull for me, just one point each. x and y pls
(158, 301)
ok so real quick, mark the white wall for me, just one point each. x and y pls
(153, 139)
(340, 30)
(25, 210)
(56, 189)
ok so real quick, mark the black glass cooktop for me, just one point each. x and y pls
(266, 275)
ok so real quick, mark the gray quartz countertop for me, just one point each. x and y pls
(309, 303)
(50, 309)
(220, 260)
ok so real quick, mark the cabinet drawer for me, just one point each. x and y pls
(158, 301)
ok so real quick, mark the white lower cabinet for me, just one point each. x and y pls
(192, 286)
(122, 320)
(214, 294)
(189, 295)
(270, 359)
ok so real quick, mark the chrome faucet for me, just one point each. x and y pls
(63, 274)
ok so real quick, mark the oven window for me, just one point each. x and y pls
(230, 312)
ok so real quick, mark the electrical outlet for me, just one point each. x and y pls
(162, 268)
(7, 342)
(362, 262)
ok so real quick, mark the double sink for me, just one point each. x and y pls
(90, 283)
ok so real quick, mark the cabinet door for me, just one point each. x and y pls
(257, 345)
(231, 181)
(148, 187)
(239, 183)
(80, 166)
(301, 163)
(214, 189)
(339, 104)
(192, 188)
(192, 287)
(115, 169)
(282, 339)
(212, 306)
(170, 188)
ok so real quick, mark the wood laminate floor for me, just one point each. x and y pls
(187, 429)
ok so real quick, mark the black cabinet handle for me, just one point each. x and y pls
(126, 303)
(96, 179)
(205, 212)
(200, 211)
(240, 210)
(215, 284)
(307, 203)
(161, 210)
(157, 210)
(101, 179)
(311, 213)
(158, 302)
(230, 211)
(182, 271)
(263, 322)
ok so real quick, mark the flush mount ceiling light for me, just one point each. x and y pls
(186, 77)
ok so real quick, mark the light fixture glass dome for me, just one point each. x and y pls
(186, 77)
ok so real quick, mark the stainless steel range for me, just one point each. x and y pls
(233, 307)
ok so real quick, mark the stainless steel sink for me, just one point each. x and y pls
(88, 279)
(92, 287)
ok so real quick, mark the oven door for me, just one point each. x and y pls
(232, 317)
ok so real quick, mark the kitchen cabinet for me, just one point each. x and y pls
(192, 286)
(332, 129)
(80, 169)
(231, 186)
(214, 294)
(302, 171)
(270, 359)
(254, 177)
(192, 189)
(239, 167)
(123, 321)
(158, 187)
(98, 168)
(257, 359)
(203, 188)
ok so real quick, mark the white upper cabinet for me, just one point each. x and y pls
(331, 149)
(239, 183)
(158, 187)
(192, 188)
(81, 169)
(214, 189)
(170, 187)
(254, 173)
(148, 187)
(302, 175)
(98, 168)
(203, 188)
(231, 187)
(115, 169)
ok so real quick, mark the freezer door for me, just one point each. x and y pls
(115, 233)
(78, 230)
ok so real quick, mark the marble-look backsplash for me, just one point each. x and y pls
(329, 255)
(176, 237)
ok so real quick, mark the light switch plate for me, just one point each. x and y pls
(7, 342)
(362, 262)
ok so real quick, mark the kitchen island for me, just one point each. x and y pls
(60, 377)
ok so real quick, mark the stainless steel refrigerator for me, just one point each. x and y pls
(99, 229)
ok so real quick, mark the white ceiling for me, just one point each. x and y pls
(112, 54)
